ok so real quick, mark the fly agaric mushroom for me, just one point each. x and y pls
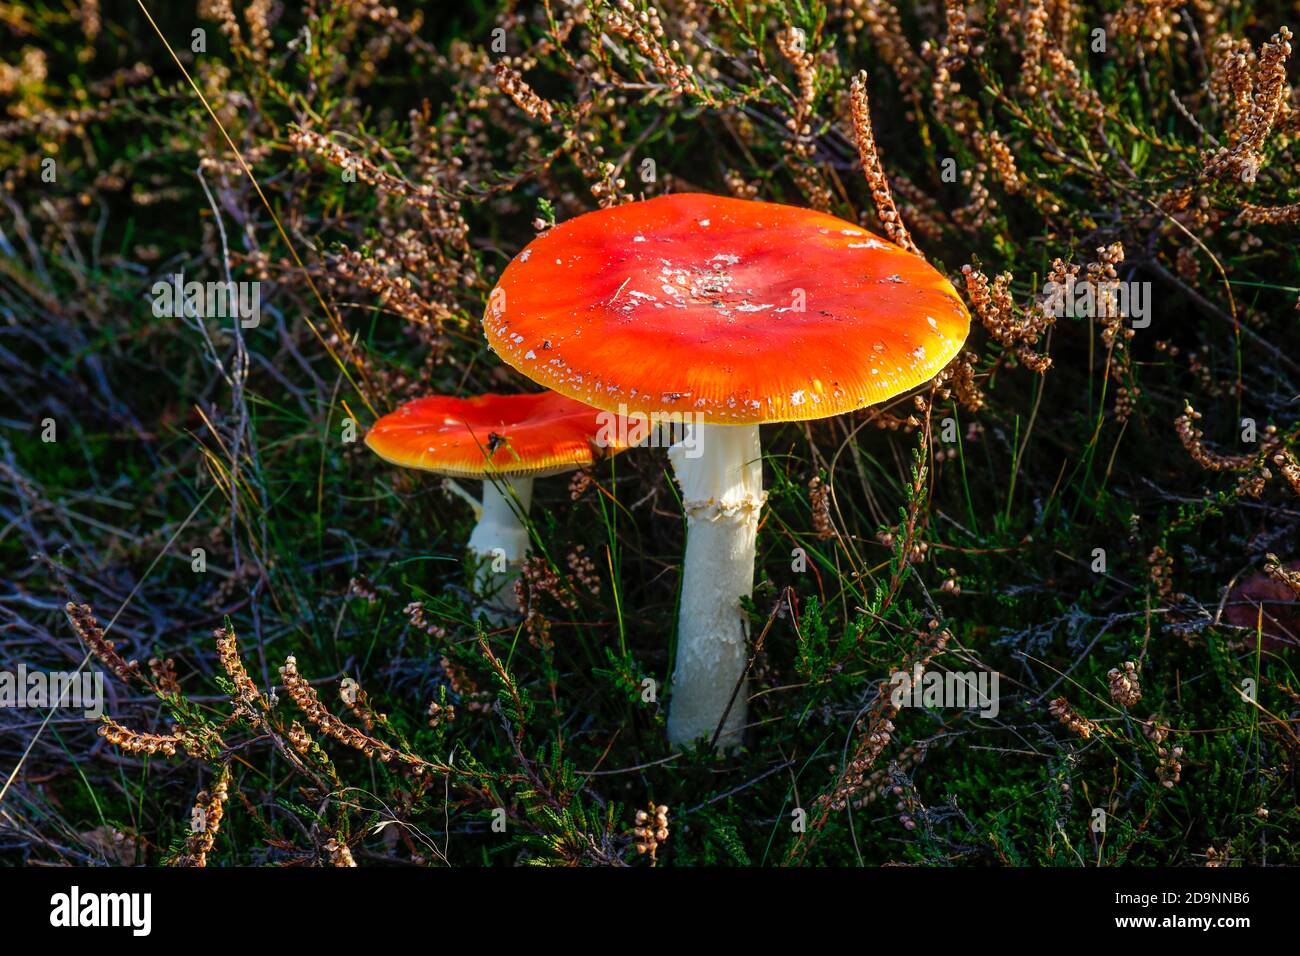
(507, 441)
(729, 313)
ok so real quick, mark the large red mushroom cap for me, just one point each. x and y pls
(740, 312)
(502, 435)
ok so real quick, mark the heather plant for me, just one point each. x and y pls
(233, 235)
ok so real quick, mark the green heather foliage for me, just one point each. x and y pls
(402, 155)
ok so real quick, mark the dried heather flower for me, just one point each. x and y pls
(134, 742)
(94, 637)
(883, 23)
(1124, 687)
(1290, 468)
(31, 71)
(792, 43)
(223, 11)
(644, 29)
(819, 500)
(579, 483)
(880, 783)
(1155, 729)
(1034, 22)
(514, 86)
(1193, 440)
(246, 692)
(463, 686)
(1060, 709)
(1161, 567)
(305, 697)
(258, 15)
(339, 853)
(958, 379)
(1169, 768)
(1271, 215)
(994, 307)
(948, 58)
(423, 195)
(356, 701)
(205, 821)
(164, 675)
(1151, 22)
(440, 714)
(999, 156)
(360, 586)
(91, 21)
(738, 186)
(1274, 568)
(1066, 80)
(390, 280)
(299, 739)
(1102, 278)
(878, 729)
(651, 830)
(415, 614)
(583, 570)
(1242, 159)
(886, 211)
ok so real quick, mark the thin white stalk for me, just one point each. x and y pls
(720, 472)
(499, 543)
(453, 487)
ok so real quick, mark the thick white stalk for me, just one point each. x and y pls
(499, 542)
(720, 471)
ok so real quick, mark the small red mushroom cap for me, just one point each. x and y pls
(738, 311)
(502, 435)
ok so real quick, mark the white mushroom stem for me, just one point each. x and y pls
(453, 487)
(720, 471)
(500, 541)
